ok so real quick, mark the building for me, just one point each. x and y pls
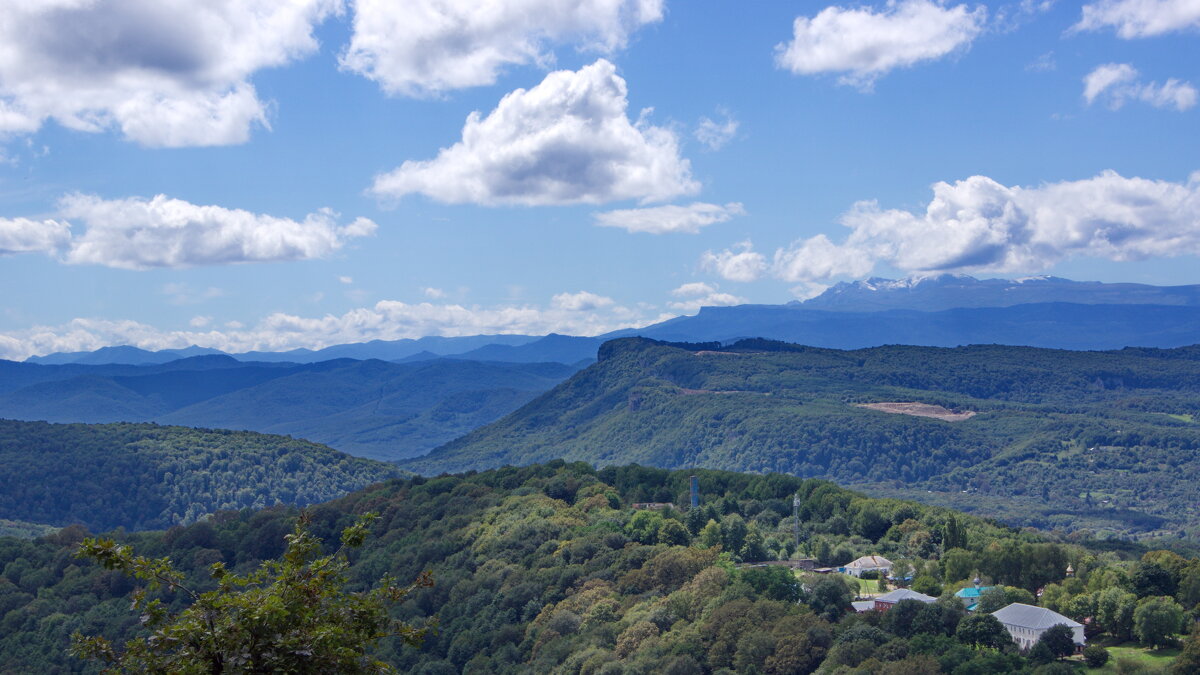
(884, 602)
(868, 563)
(1026, 623)
(652, 506)
(971, 594)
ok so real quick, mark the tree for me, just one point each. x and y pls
(289, 615)
(1095, 655)
(983, 630)
(1189, 659)
(1114, 611)
(673, 533)
(993, 599)
(1156, 621)
(1059, 640)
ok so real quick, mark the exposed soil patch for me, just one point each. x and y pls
(692, 392)
(937, 412)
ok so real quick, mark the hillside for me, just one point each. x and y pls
(1099, 440)
(144, 476)
(367, 408)
(547, 569)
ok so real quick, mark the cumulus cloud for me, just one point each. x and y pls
(716, 134)
(865, 44)
(136, 233)
(671, 218)
(575, 314)
(428, 47)
(691, 297)
(742, 263)
(1140, 18)
(1120, 82)
(580, 302)
(167, 73)
(566, 141)
(979, 225)
(22, 235)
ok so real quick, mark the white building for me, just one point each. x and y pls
(1026, 623)
(869, 563)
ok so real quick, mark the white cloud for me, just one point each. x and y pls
(428, 47)
(577, 314)
(345, 280)
(1120, 82)
(200, 321)
(580, 302)
(671, 218)
(566, 141)
(742, 264)
(865, 44)
(979, 225)
(716, 134)
(692, 296)
(167, 73)
(22, 235)
(136, 233)
(434, 293)
(1140, 18)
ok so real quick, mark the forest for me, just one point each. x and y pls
(1103, 442)
(547, 568)
(146, 476)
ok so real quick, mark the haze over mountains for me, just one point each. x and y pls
(946, 310)
(369, 408)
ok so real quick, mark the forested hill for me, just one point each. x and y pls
(143, 476)
(547, 569)
(1106, 440)
(368, 408)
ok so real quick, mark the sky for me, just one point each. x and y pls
(250, 174)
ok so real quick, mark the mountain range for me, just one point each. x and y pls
(946, 310)
(368, 408)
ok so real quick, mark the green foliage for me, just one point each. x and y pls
(537, 572)
(1068, 440)
(983, 630)
(290, 615)
(1095, 656)
(1059, 640)
(144, 476)
(1157, 620)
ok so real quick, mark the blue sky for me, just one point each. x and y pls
(242, 175)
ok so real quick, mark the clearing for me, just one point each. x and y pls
(920, 410)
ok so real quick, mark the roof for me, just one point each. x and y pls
(863, 605)
(904, 594)
(972, 592)
(871, 561)
(1028, 616)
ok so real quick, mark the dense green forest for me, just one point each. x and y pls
(144, 476)
(547, 569)
(1105, 441)
(370, 408)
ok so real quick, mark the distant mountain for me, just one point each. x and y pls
(123, 354)
(369, 408)
(1032, 429)
(384, 350)
(553, 347)
(951, 291)
(143, 476)
(1050, 325)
